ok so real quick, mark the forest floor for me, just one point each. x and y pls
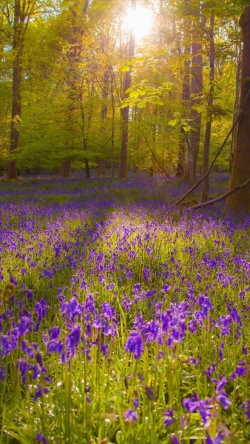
(122, 318)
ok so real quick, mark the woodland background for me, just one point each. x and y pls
(78, 89)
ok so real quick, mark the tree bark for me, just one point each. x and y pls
(196, 92)
(17, 46)
(183, 160)
(87, 169)
(125, 111)
(236, 105)
(205, 166)
(241, 163)
(66, 169)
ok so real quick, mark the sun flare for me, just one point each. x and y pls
(139, 20)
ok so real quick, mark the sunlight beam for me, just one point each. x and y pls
(139, 20)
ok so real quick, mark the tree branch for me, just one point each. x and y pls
(223, 196)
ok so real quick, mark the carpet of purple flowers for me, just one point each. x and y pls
(122, 320)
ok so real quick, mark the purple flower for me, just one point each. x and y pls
(220, 383)
(55, 347)
(134, 344)
(149, 392)
(174, 439)
(244, 350)
(222, 396)
(41, 309)
(151, 331)
(73, 339)
(195, 404)
(166, 288)
(168, 417)
(246, 408)
(130, 415)
(104, 349)
(54, 332)
(2, 374)
(240, 370)
(41, 438)
(23, 366)
(211, 369)
(24, 325)
(39, 392)
(136, 402)
(217, 440)
(224, 399)
(29, 294)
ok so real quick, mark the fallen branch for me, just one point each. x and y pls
(223, 196)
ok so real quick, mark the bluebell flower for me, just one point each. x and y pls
(104, 349)
(168, 417)
(55, 347)
(134, 344)
(130, 415)
(24, 367)
(136, 402)
(2, 374)
(240, 370)
(149, 392)
(54, 332)
(195, 404)
(151, 331)
(246, 408)
(40, 391)
(218, 439)
(166, 288)
(73, 339)
(41, 438)
(174, 439)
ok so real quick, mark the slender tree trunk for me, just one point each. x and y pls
(66, 169)
(87, 169)
(236, 106)
(184, 157)
(125, 111)
(241, 163)
(196, 92)
(205, 166)
(112, 154)
(16, 87)
(73, 76)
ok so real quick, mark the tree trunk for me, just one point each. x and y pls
(66, 169)
(112, 147)
(125, 111)
(236, 105)
(184, 157)
(16, 87)
(205, 166)
(241, 163)
(101, 169)
(196, 92)
(87, 169)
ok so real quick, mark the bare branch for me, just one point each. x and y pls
(223, 196)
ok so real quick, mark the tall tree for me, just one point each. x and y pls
(241, 161)
(210, 101)
(196, 88)
(23, 12)
(125, 110)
